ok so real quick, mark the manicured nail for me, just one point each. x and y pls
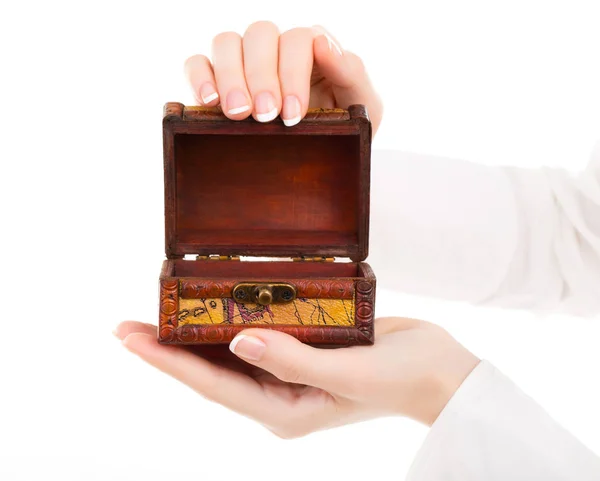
(208, 93)
(248, 347)
(237, 103)
(266, 110)
(291, 112)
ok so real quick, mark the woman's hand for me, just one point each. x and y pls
(293, 389)
(266, 74)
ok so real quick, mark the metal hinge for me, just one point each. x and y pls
(217, 258)
(313, 259)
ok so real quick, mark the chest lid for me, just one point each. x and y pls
(250, 189)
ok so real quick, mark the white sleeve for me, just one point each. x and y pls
(490, 430)
(496, 235)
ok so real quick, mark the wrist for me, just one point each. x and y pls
(446, 379)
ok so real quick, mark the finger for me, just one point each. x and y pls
(201, 78)
(385, 325)
(288, 359)
(216, 354)
(295, 67)
(332, 59)
(228, 66)
(231, 389)
(129, 327)
(260, 47)
(346, 71)
(233, 364)
(222, 356)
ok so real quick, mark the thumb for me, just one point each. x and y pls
(287, 358)
(347, 74)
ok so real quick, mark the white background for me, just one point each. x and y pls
(82, 89)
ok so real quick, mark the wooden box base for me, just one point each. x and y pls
(334, 304)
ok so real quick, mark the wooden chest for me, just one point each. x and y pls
(256, 219)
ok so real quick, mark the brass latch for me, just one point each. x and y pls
(313, 259)
(217, 258)
(264, 293)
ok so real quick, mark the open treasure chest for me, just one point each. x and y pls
(266, 226)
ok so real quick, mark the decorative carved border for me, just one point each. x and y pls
(169, 305)
(365, 308)
(361, 334)
(309, 288)
(210, 334)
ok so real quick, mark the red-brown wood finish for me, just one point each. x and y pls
(309, 288)
(246, 188)
(259, 269)
(169, 304)
(251, 189)
(363, 288)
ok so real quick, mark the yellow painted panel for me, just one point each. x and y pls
(303, 312)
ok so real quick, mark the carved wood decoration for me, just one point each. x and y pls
(169, 306)
(173, 332)
(250, 189)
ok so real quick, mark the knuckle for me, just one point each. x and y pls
(358, 65)
(225, 37)
(290, 373)
(262, 26)
(289, 72)
(198, 59)
(259, 77)
(297, 422)
(258, 83)
(290, 429)
(286, 434)
(297, 33)
(285, 70)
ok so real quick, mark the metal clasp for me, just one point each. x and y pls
(313, 259)
(264, 293)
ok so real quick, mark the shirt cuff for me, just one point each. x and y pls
(441, 430)
(491, 430)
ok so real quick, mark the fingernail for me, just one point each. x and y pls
(266, 110)
(237, 103)
(248, 347)
(208, 93)
(126, 343)
(333, 46)
(291, 112)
